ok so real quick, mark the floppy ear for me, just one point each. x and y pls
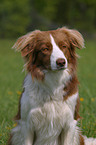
(75, 38)
(25, 44)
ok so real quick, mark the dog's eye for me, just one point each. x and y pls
(45, 49)
(64, 46)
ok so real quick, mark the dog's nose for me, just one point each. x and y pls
(60, 62)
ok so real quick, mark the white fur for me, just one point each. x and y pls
(89, 141)
(71, 101)
(44, 112)
(56, 53)
(37, 93)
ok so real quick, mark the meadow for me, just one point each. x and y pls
(11, 79)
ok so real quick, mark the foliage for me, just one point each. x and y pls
(80, 14)
(17, 17)
(14, 17)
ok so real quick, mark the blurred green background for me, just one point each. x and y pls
(18, 17)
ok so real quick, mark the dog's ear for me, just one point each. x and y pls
(26, 43)
(75, 37)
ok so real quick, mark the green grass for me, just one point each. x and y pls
(11, 78)
(87, 89)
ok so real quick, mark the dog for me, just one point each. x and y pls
(48, 111)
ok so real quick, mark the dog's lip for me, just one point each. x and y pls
(61, 68)
(55, 69)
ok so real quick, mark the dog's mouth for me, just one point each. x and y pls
(55, 69)
(61, 68)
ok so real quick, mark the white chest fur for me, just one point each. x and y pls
(44, 112)
(49, 120)
(37, 93)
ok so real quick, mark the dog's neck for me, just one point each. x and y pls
(54, 85)
(55, 79)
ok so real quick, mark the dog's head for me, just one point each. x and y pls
(49, 50)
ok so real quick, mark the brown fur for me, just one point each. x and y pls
(71, 88)
(76, 115)
(18, 115)
(81, 140)
(32, 46)
(9, 141)
(36, 49)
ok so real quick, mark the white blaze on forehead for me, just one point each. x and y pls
(56, 53)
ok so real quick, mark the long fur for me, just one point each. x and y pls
(48, 111)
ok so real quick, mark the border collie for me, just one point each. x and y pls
(49, 105)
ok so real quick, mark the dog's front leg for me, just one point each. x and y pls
(29, 138)
(34, 123)
(21, 135)
(69, 134)
(30, 134)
